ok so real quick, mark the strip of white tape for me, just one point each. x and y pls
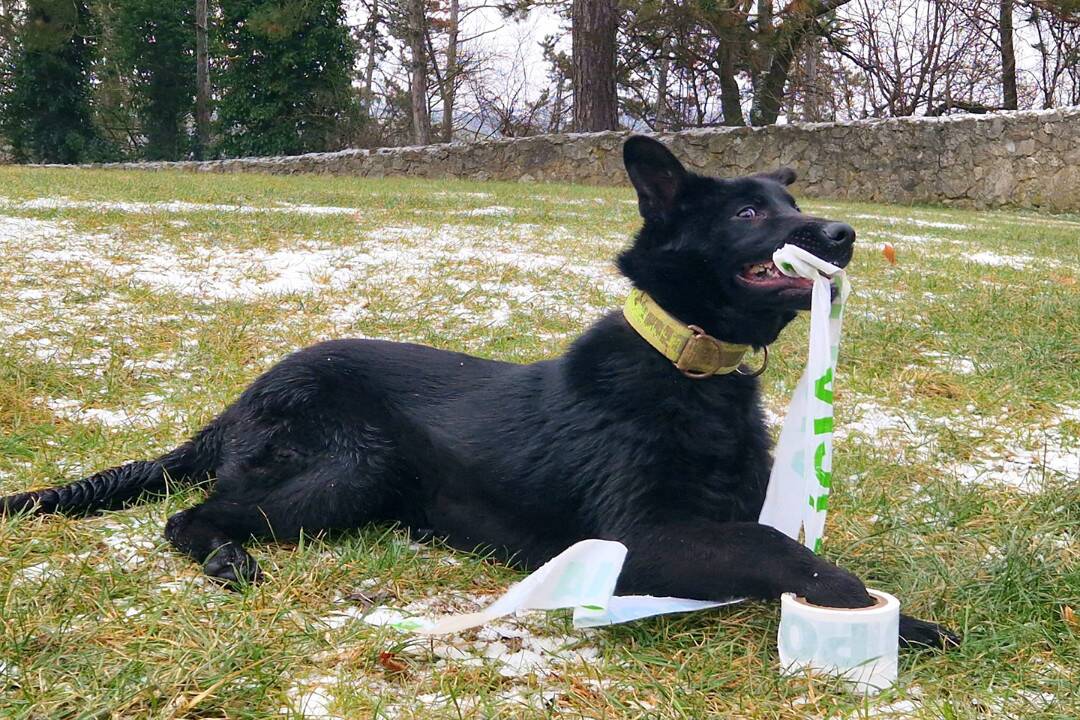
(798, 493)
(581, 577)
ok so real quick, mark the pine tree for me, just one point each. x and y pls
(285, 87)
(156, 40)
(45, 109)
(594, 26)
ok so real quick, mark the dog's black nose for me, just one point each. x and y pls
(840, 233)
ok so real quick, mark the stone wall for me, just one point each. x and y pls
(1024, 159)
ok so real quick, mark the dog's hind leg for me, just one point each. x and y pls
(218, 547)
(326, 495)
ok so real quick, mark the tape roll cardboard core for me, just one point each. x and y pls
(879, 601)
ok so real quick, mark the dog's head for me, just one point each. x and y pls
(705, 249)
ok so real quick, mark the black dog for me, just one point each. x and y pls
(608, 441)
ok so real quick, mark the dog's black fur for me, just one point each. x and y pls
(608, 441)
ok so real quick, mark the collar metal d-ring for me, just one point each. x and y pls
(764, 364)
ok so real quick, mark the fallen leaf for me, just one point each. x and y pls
(1070, 617)
(889, 252)
(392, 663)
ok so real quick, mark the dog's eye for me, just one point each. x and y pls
(746, 213)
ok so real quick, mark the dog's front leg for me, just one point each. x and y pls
(722, 561)
(718, 561)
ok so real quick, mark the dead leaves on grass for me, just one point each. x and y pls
(1072, 620)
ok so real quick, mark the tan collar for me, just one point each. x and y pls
(694, 352)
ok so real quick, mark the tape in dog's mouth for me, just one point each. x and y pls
(766, 274)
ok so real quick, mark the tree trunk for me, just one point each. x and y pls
(202, 82)
(730, 96)
(778, 47)
(450, 76)
(811, 106)
(593, 27)
(662, 92)
(769, 95)
(769, 90)
(372, 52)
(1008, 55)
(555, 125)
(418, 83)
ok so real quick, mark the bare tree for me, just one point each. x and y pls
(458, 57)
(1056, 29)
(559, 76)
(370, 37)
(915, 56)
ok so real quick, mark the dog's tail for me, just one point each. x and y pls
(187, 464)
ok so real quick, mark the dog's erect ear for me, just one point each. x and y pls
(657, 175)
(784, 175)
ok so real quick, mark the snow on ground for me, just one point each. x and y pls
(171, 206)
(148, 413)
(38, 572)
(130, 542)
(1048, 452)
(874, 420)
(473, 195)
(389, 255)
(1021, 460)
(917, 222)
(490, 210)
(515, 644)
(903, 237)
(19, 228)
(953, 363)
(399, 261)
(312, 698)
(1017, 262)
(518, 648)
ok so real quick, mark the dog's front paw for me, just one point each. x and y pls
(831, 586)
(233, 567)
(916, 633)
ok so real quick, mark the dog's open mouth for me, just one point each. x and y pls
(766, 275)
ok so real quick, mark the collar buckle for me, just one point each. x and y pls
(704, 356)
(698, 346)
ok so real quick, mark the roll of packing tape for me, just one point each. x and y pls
(859, 645)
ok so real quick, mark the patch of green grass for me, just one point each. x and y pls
(124, 328)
